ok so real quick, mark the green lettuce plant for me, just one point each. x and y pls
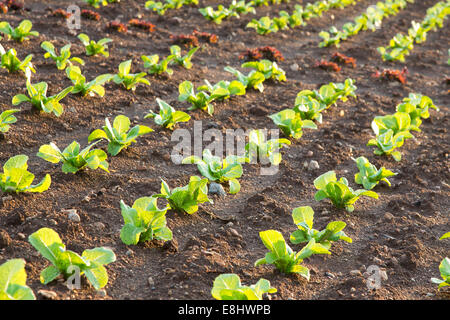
(308, 107)
(397, 122)
(93, 87)
(6, 119)
(369, 176)
(340, 194)
(304, 219)
(13, 64)
(94, 48)
(168, 117)
(37, 96)
(119, 135)
(13, 280)
(181, 60)
(127, 79)
(268, 68)
(417, 106)
(228, 287)
(223, 89)
(201, 99)
(91, 263)
(63, 58)
(186, 199)
(254, 79)
(387, 142)
(258, 147)
(218, 170)
(21, 33)
(144, 221)
(291, 123)
(72, 158)
(283, 257)
(17, 178)
(155, 66)
(444, 269)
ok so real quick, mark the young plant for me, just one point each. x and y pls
(181, 60)
(304, 218)
(228, 287)
(388, 142)
(167, 116)
(72, 158)
(444, 269)
(327, 65)
(10, 61)
(417, 106)
(260, 148)
(92, 87)
(154, 66)
(397, 122)
(13, 280)
(37, 96)
(283, 257)
(254, 79)
(263, 26)
(291, 123)
(308, 107)
(144, 222)
(186, 199)
(63, 58)
(89, 14)
(216, 170)
(127, 79)
(119, 135)
(217, 15)
(201, 99)
(117, 26)
(17, 178)
(269, 69)
(233, 88)
(340, 194)
(92, 47)
(65, 262)
(21, 33)
(392, 75)
(6, 119)
(369, 176)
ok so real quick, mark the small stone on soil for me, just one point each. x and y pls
(216, 188)
(47, 294)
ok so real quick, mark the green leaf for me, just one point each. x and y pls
(49, 274)
(43, 240)
(98, 277)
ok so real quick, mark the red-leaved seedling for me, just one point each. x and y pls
(61, 13)
(327, 65)
(341, 58)
(206, 36)
(89, 14)
(392, 75)
(117, 26)
(147, 26)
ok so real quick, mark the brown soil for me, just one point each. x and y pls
(405, 243)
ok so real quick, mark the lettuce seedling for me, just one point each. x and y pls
(96, 3)
(6, 119)
(63, 58)
(92, 87)
(186, 199)
(217, 15)
(154, 66)
(445, 236)
(92, 47)
(263, 26)
(444, 269)
(216, 170)
(397, 122)
(417, 106)
(144, 222)
(201, 99)
(308, 107)
(369, 176)
(330, 93)
(181, 60)
(228, 287)
(283, 257)
(254, 79)
(72, 158)
(10, 61)
(91, 262)
(37, 96)
(161, 8)
(304, 218)
(167, 116)
(340, 194)
(259, 147)
(388, 142)
(268, 68)
(127, 79)
(17, 178)
(21, 33)
(291, 123)
(119, 135)
(233, 88)
(13, 280)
